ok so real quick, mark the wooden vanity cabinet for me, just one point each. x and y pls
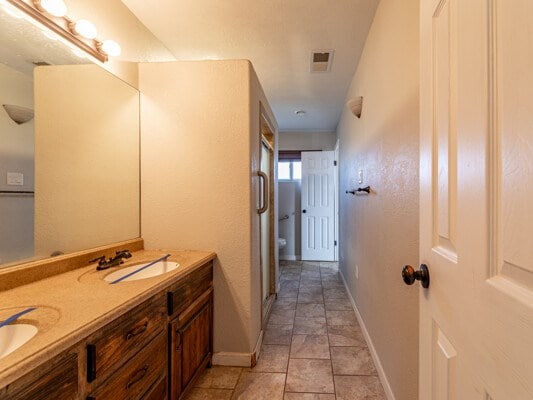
(137, 376)
(129, 355)
(57, 379)
(154, 351)
(191, 344)
(190, 330)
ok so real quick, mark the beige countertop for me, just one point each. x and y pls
(72, 305)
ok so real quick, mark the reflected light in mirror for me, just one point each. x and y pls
(111, 48)
(85, 28)
(57, 8)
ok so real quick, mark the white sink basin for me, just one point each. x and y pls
(14, 336)
(159, 268)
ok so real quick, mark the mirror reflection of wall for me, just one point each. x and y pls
(86, 157)
(16, 159)
(86, 139)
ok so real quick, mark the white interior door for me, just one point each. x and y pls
(476, 171)
(318, 209)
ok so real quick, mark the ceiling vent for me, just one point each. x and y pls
(321, 60)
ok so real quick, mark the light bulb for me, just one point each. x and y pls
(111, 48)
(55, 7)
(86, 29)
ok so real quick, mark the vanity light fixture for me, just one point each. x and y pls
(111, 48)
(57, 8)
(84, 28)
(51, 15)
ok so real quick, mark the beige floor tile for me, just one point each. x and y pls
(209, 394)
(311, 290)
(310, 346)
(308, 396)
(284, 304)
(310, 326)
(310, 310)
(310, 264)
(287, 293)
(218, 377)
(311, 283)
(259, 386)
(310, 275)
(338, 305)
(304, 297)
(281, 317)
(329, 284)
(278, 334)
(335, 293)
(313, 376)
(359, 388)
(346, 336)
(352, 361)
(341, 318)
(273, 358)
(289, 285)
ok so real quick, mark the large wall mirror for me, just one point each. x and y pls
(69, 149)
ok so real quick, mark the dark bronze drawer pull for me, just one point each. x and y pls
(91, 362)
(139, 375)
(137, 331)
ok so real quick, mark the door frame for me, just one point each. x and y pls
(268, 138)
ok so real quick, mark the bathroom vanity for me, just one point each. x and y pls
(144, 339)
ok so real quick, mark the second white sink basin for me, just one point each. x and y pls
(14, 336)
(159, 268)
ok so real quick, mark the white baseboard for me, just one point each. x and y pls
(231, 359)
(289, 257)
(377, 362)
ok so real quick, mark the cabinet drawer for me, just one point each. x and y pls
(121, 339)
(57, 379)
(138, 375)
(182, 294)
(158, 391)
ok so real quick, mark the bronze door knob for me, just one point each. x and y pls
(409, 275)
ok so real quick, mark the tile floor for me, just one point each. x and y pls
(313, 347)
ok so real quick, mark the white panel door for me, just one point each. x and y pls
(476, 204)
(318, 208)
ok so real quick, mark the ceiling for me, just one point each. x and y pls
(22, 44)
(278, 36)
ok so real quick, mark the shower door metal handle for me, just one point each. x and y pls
(265, 197)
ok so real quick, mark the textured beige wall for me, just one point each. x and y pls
(307, 140)
(379, 233)
(200, 146)
(16, 155)
(86, 159)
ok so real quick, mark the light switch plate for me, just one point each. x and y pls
(15, 179)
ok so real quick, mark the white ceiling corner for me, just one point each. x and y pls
(278, 37)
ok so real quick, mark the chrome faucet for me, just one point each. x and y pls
(113, 261)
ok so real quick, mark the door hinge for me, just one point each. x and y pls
(335, 163)
(335, 243)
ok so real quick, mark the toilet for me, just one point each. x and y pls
(282, 243)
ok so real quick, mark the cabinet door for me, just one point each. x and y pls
(195, 338)
(191, 341)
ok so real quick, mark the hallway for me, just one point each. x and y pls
(313, 348)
